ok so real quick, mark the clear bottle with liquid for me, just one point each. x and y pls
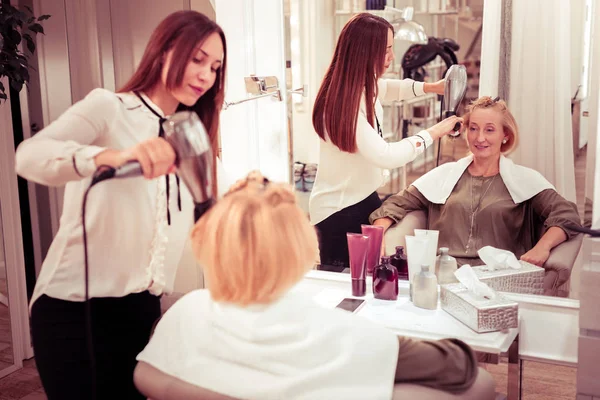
(425, 289)
(445, 267)
(385, 280)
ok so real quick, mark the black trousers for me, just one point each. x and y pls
(333, 244)
(121, 328)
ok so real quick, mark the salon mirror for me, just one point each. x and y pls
(314, 27)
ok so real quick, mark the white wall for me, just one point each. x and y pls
(254, 134)
(317, 43)
(132, 23)
(577, 25)
(592, 183)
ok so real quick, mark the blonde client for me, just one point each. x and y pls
(252, 336)
(485, 199)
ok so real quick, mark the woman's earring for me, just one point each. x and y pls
(504, 140)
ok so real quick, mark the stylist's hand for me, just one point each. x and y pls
(436, 87)
(156, 156)
(444, 127)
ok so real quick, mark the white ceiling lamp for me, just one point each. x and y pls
(405, 28)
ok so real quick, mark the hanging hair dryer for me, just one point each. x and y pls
(454, 92)
(194, 159)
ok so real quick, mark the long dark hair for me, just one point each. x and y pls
(358, 61)
(183, 32)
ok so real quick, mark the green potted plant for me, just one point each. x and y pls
(17, 26)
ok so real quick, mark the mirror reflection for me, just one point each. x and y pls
(6, 349)
(340, 190)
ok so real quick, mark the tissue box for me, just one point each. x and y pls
(527, 280)
(480, 314)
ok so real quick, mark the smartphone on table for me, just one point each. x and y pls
(351, 305)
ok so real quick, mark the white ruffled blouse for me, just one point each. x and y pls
(131, 247)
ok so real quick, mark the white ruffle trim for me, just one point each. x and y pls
(156, 269)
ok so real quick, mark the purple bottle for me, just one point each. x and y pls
(385, 280)
(400, 261)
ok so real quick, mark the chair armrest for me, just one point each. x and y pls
(560, 263)
(483, 389)
(394, 236)
(157, 385)
(563, 256)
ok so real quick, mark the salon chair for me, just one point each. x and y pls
(558, 266)
(157, 385)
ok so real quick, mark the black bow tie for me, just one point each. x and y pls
(161, 133)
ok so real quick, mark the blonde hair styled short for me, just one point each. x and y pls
(255, 243)
(509, 124)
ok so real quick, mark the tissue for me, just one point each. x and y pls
(497, 259)
(476, 305)
(504, 273)
(469, 279)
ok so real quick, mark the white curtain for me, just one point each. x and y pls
(540, 90)
(490, 48)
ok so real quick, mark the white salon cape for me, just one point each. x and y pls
(522, 183)
(291, 349)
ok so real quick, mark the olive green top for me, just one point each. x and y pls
(497, 220)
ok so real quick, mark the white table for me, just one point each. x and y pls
(329, 288)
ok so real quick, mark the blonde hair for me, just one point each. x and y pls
(509, 124)
(255, 243)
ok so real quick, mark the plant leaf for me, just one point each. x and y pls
(3, 96)
(29, 9)
(30, 43)
(44, 17)
(37, 28)
(16, 85)
(25, 74)
(15, 63)
(15, 37)
(1, 87)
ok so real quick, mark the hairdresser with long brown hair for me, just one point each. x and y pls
(136, 228)
(347, 117)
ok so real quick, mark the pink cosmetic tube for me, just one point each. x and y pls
(375, 234)
(358, 248)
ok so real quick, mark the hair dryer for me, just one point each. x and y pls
(454, 92)
(194, 160)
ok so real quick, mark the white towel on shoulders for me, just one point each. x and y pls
(522, 183)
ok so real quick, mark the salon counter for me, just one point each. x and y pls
(548, 331)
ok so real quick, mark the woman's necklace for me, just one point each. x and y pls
(475, 210)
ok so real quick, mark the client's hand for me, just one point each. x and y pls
(444, 127)
(386, 223)
(536, 256)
